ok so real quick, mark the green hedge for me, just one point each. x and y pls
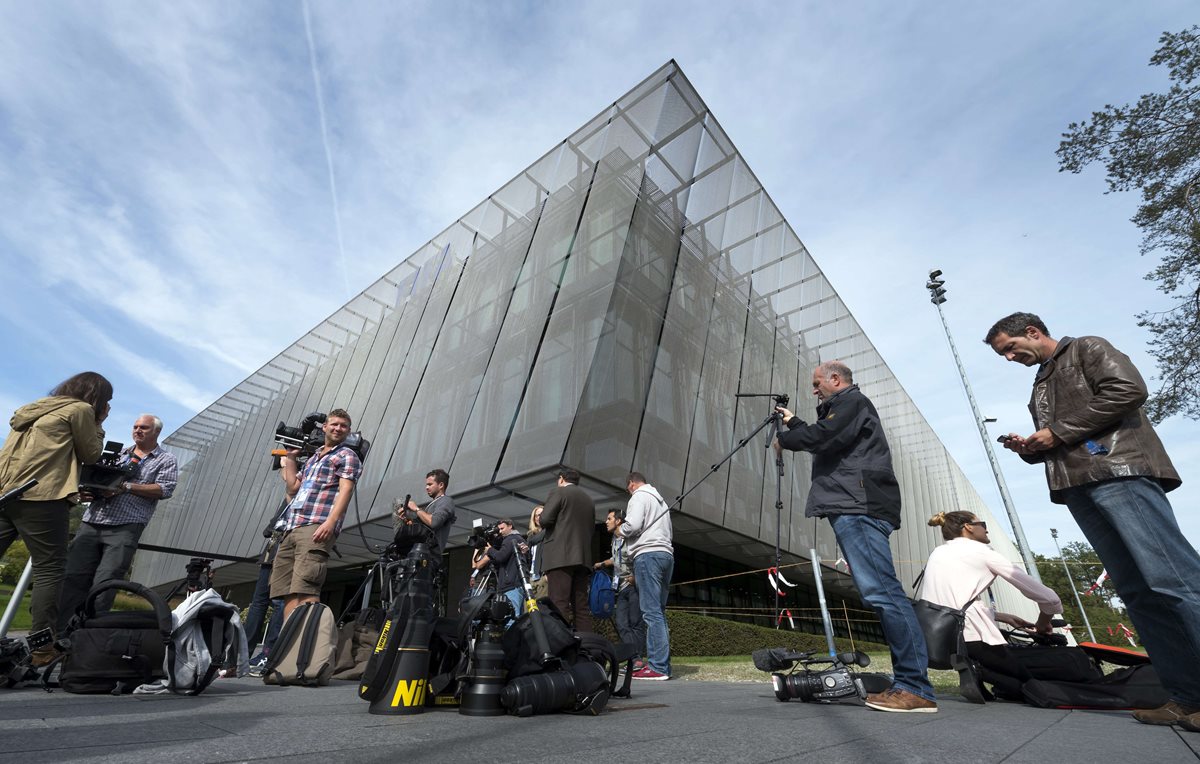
(698, 635)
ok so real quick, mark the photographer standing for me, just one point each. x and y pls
(50, 438)
(854, 486)
(319, 497)
(438, 515)
(504, 558)
(113, 523)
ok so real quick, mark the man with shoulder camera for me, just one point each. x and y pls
(320, 494)
(107, 539)
(438, 515)
(503, 556)
(854, 486)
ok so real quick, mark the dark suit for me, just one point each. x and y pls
(569, 517)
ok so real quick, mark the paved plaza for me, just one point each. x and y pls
(243, 720)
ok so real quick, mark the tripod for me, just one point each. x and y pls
(772, 421)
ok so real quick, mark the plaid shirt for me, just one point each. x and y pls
(159, 467)
(319, 487)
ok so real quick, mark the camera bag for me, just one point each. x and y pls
(1132, 687)
(306, 651)
(114, 652)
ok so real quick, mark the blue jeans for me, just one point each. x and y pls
(652, 572)
(257, 611)
(1156, 572)
(864, 542)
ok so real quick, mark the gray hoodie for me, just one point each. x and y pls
(647, 526)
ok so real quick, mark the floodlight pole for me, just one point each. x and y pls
(1071, 581)
(937, 296)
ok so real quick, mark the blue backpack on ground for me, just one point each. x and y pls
(602, 598)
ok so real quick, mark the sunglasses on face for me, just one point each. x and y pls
(980, 523)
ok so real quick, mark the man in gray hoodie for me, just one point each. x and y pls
(647, 531)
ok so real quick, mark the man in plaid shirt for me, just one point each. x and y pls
(320, 494)
(113, 523)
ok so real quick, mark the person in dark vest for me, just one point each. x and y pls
(569, 518)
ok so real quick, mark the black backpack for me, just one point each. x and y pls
(116, 651)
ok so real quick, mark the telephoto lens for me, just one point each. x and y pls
(581, 688)
(482, 687)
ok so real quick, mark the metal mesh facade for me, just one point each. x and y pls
(601, 310)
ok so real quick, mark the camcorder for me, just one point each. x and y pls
(16, 657)
(107, 474)
(199, 574)
(309, 436)
(481, 537)
(809, 684)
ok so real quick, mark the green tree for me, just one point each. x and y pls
(1085, 568)
(1154, 145)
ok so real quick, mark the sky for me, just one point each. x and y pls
(186, 188)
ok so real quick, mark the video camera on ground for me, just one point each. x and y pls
(16, 654)
(309, 436)
(107, 474)
(803, 682)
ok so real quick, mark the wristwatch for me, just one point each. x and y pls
(125, 487)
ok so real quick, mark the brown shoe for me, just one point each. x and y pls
(41, 656)
(1171, 713)
(901, 701)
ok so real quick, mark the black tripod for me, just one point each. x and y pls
(773, 420)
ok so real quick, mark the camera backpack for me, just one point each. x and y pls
(306, 651)
(114, 652)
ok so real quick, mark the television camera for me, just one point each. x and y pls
(484, 536)
(807, 683)
(309, 436)
(107, 474)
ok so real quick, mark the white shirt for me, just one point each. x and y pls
(960, 570)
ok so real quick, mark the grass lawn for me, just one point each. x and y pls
(21, 622)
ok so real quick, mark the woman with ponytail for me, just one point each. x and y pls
(958, 572)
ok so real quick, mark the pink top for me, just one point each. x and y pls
(960, 570)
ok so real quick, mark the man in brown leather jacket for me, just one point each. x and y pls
(1105, 462)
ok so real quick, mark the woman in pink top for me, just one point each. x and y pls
(959, 572)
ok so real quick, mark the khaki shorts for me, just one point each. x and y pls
(300, 564)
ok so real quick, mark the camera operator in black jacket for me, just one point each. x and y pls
(504, 557)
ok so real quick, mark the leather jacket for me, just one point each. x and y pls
(1088, 392)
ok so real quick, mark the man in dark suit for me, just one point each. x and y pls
(569, 519)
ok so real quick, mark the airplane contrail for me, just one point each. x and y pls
(337, 215)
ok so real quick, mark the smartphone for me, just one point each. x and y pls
(1003, 438)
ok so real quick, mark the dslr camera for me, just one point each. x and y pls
(803, 681)
(481, 537)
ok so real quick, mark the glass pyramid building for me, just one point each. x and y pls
(601, 310)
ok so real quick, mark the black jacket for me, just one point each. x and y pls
(851, 464)
(505, 560)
